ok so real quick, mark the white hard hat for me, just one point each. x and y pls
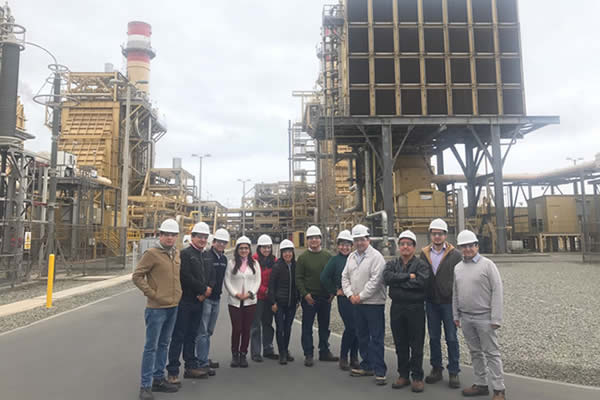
(201, 227)
(359, 231)
(243, 240)
(408, 235)
(466, 237)
(169, 226)
(344, 235)
(439, 224)
(222, 234)
(264, 240)
(286, 244)
(313, 230)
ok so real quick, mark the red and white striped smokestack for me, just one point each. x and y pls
(139, 52)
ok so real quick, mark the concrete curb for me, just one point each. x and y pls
(29, 304)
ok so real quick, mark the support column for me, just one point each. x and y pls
(498, 190)
(388, 180)
(471, 180)
(440, 169)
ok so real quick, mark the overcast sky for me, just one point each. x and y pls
(224, 73)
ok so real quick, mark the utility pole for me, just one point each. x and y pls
(243, 204)
(200, 157)
(53, 161)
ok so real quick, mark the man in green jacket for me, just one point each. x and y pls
(157, 276)
(315, 299)
(331, 279)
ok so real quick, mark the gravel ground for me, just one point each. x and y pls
(551, 324)
(25, 318)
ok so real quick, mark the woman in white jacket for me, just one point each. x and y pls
(242, 280)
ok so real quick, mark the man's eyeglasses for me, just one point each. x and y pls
(438, 234)
(468, 245)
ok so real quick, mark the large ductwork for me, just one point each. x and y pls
(9, 81)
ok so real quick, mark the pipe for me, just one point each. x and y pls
(368, 188)
(387, 249)
(358, 203)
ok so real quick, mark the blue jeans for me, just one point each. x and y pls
(159, 328)
(370, 329)
(349, 338)
(210, 312)
(189, 316)
(322, 310)
(262, 332)
(284, 318)
(438, 314)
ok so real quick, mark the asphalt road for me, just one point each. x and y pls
(95, 352)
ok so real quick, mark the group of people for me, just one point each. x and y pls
(441, 287)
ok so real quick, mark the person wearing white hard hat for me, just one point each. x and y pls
(262, 332)
(242, 281)
(407, 277)
(216, 264)
(194, 282)
(284, 297)
(331, 279)
(362, 283)
(441, 257)
(157, 276)
(477, 308)
(315, 299)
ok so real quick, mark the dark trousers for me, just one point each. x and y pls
(370, 329)
(261, 331)
(349, 338)
(241, 320)
(408, 328)
(322, 310)
(438, 314)
(284, 319)
(189, 316)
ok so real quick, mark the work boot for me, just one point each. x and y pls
(327, 356)
(161, 385)
(400, 383)
(476, 390)
(344, 366)
(209, 371)
(289, 357)
(243, 361)
(257, 358)
(174, 380)
(499, 395)
(271, 356)
(434, 376)
(235, 360)
(146, 394)
(454, 382)
(361, 372)
(195, 374)
(308, 361)
(354, 363)
(282, 358)
(417, 386)
(213, 364)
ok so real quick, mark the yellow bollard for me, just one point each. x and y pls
(50, 281)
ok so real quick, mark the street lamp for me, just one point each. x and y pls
(243, 204)
(200, 157)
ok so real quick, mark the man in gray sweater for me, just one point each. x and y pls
(477, 308)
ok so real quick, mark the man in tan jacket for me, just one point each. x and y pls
(157, 276)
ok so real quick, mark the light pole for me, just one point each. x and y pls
(243, 204)
(200, 157)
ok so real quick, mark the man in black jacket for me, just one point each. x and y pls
(195, 279)
(441, 257)
(407, 277)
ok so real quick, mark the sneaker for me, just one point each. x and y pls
(257, 358)
(476, 390)
(161, 385)
(400, 383)
(308, 361)
(282, 359)
(354, 363)
(213, 364)
(417, 386)
(271, 356)
(235, 360)
(289, 357)
(361, 372)
(327, 356)
(174, 380)
(434, 376)
(499, 395)
(209, 371)
(344, 366)
(243, 361)
(380, 380)
(146, 394)
(195, 374)
(454, 382)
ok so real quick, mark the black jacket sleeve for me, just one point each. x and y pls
(210, 273)
(392, 277)
(273, 283)
(195, 282)
(421, 270)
